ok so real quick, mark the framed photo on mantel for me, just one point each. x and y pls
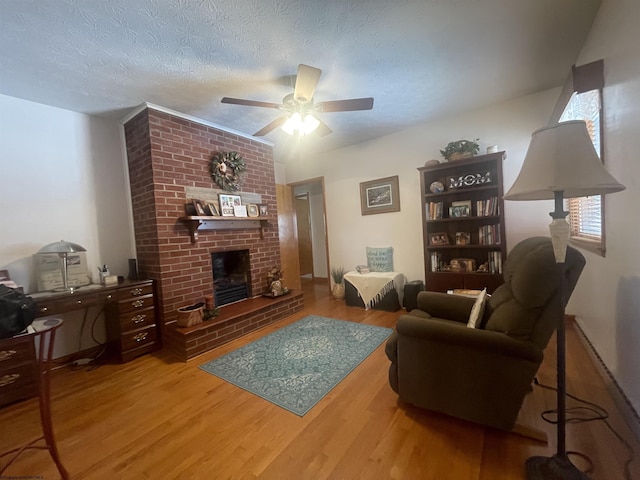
(227, 204)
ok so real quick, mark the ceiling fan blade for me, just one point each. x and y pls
(272, 126)
(346, 105)
(249, 103)
(306, 83)
(323, 129)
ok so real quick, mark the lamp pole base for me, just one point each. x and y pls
(553, 468)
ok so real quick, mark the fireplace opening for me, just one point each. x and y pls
(230, 276)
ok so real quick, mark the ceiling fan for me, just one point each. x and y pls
(300, 107)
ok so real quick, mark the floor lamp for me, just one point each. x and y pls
(560, 163)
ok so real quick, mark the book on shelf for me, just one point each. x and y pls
(436, 259)
(495, 262)
(489, 235)
(488, 207)
(435, 211)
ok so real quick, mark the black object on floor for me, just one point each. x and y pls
(389, 302)
(411, 290)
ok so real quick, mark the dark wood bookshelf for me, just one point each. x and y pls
(464, 184)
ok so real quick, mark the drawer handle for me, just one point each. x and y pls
(138, 303)
(9, 379)
(138, 318)
(109, 297)
(79, 302)
(44, 309)
(7, 354)
(140, 336)
(136, 292)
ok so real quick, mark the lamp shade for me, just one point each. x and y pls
(561, 158)
(62, 247)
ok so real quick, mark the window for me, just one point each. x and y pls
(582, 100)
(585, 213)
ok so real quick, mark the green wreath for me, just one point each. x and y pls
(226, 169)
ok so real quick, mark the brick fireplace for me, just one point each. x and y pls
(169, 156)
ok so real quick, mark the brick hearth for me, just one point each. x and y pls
(234, 321)
(167, 155)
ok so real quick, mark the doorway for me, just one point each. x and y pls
(305, 241)
(313, 246)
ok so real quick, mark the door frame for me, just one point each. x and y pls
(319, 180)
(305, 196)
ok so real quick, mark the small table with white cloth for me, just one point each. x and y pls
(375, 290)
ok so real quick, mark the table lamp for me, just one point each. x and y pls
(561, 162)
(63, 249)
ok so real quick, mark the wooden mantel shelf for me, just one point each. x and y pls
(196, 223)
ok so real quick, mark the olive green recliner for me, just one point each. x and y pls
(482, 374)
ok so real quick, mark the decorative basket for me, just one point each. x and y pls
(189, 316)
(459, 156)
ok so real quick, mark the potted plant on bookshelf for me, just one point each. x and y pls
(337, 274)
(460, 149)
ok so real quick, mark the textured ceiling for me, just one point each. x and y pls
(419, 59)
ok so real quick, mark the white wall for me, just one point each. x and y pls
(62, 176)
(508, 125)
(607, 298)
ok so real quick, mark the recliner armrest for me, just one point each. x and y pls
(441, 332)
(443, 305)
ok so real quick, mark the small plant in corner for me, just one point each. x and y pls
(337, 274)
(460, 149)
(337, 291)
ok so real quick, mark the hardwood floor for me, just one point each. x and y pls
(157, 418)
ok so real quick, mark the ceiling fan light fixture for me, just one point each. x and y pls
(292, 124)
(295, 124)
(309, 124)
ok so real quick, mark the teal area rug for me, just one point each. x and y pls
(296, 366)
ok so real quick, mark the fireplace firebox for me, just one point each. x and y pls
(231, 270)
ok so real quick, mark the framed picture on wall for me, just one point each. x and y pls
(380, 196)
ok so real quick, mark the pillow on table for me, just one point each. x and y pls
(380, 259)
(478, 310)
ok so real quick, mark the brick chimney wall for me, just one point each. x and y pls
(166, 154)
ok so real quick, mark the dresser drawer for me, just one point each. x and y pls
(67, 303)
(18, 382)
(70, 303)
(18, 369)
(135, 291)
(16, 350)
(137, 319)
(138, 338)
(133, 304)
(47, 307)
